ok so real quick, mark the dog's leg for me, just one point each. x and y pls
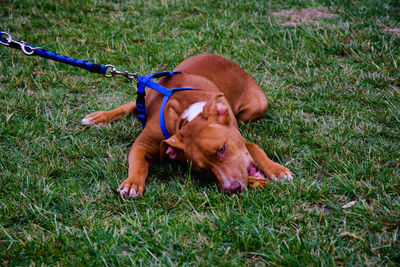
(271, 169)
(252, 104)
(144, 150)
(133, 186)
(102, 117)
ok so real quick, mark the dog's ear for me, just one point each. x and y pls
(217, 110)
(173, 147)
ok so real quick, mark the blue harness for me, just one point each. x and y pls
(145, 81)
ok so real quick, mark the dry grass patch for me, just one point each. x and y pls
(395, 31)
(295, 17)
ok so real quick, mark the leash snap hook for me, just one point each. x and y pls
(30, 51)
(8, 39)
(126, 74)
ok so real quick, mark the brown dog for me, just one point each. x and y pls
(202, 124)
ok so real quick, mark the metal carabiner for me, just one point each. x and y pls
(23, 46)
(126, 74)
(8, 38)
(26, 52)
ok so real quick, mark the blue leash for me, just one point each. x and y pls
(37, 51)
(30, 50)
(142, 81)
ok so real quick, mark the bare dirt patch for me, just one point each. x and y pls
(295, 17)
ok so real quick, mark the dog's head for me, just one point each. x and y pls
(212, 143)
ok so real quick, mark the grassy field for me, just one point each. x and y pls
(333, 85)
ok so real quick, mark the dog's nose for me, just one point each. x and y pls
(234, 188)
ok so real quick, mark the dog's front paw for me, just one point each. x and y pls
(97, 118)
(131, 189)
(277, 171)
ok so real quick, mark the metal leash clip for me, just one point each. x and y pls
(126, 74)
(8, 41)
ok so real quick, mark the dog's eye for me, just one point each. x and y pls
(221, 150)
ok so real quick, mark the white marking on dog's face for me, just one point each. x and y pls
(193, 111)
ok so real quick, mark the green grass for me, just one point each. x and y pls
(333, 119)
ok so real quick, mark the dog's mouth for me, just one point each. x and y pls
(253, 170)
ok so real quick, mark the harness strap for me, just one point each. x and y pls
(145, 81)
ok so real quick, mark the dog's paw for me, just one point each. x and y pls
(279, 172)
(96, 118)
(131, 189)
